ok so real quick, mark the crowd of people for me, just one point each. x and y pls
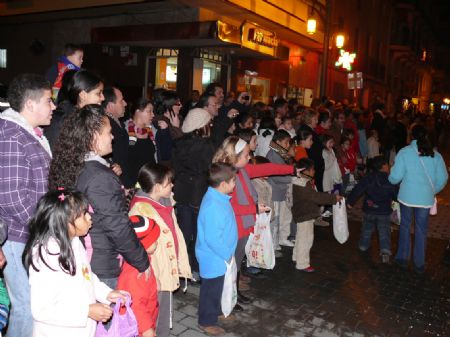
(104, 199)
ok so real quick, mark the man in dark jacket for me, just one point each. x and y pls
(378, 195)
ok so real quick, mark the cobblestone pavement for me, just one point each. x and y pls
(350, 294)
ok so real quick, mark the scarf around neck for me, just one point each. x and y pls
(242, 179)
(281, 151)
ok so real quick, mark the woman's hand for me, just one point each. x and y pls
(100, 312)
(263, 208)
(114, 295)
(175, 120)
(116, 169)
(146, 273)
(163, 125)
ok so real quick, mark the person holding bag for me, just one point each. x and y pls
(422, 173)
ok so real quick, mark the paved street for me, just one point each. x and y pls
(351, 294)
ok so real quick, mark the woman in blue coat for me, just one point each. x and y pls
(422, 174)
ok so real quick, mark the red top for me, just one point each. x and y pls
(254, 171)
(347, 160)
(144, 295)
(320, 130)
(349, 124)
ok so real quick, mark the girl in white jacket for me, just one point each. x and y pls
(332, 177)
(65, 294)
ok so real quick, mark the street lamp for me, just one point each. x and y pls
(340, 40)
(311, 26)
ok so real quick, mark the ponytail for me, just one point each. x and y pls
(424, 145)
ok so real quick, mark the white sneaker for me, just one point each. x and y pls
(278, 248)
(327, 214)
(286, 243)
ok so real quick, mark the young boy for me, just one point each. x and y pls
(378, 195)
(279, 154)
(143, 290)
(306, 209)
(216, 242)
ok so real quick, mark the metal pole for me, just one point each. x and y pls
(326, 42)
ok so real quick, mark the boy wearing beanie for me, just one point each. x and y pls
(142, 287)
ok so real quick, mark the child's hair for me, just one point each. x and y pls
(304, 164)
(303, 135)
(286, 118)
(280, 135)
(376, 163)
(70, 49)
(260, 160)
(242, 119)
(54, 212)
(347, 133)
(152, 174)
(227, 151)
(309, 115)
(345, 139)
(324, 117)
(219, 173)
(373, 133)
(246, 134)
(267, 123)
(325, 139)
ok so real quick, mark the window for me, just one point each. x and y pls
(2, 58)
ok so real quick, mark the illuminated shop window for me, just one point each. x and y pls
(3, 58)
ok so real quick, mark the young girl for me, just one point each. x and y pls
(332, 177)
(64, 291)
(307, 205)
(288, 126)
(305, 141)
(373, 145)
(347, 161)
(170, 260)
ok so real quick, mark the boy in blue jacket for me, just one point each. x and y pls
(378, 195)
(216, 242)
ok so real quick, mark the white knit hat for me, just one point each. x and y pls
(195, 119)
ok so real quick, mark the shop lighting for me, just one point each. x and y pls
(340, 40)
(447, 100)
(311, 26)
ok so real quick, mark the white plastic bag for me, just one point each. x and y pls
(340, 224)
(259, 248)
(229, 293)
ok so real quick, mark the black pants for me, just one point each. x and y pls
(209, 306)
(187, 220)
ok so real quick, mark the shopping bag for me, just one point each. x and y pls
(229, 293)
(395, 215)
(340, 224)
(259, 248)
(121, 325)
(433, 209)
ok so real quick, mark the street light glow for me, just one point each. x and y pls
(340, 40)
(311, 26)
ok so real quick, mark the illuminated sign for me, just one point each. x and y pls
(256, 38)
(345, 60)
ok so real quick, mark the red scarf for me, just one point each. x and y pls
(133, 131)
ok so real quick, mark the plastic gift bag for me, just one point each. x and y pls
(121, 325)
(395, 215)
(340, 223)
(229, 293)
(259, 248)
(433, 209)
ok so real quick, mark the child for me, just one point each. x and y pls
(216, 242)
(332, 177)
(288, 126)
(278, 154)
(170, 260)
(64, 290)
(378, 195)
(347, 162)
(305, 141)
(306, 209)
(143, 290)
(373, 145)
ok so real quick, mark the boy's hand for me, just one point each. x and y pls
(339, 198)
(263, 208)
(349, 206)
(100, 312)
(114, 295)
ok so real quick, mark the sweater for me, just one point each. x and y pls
(378, 193)
(307, 200)
(216, 234)
(279, 184)
(415, 187)
(59, 301)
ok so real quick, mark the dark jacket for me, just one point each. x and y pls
(378, 193)
(307, 200)
(191, 159)
(315, 153)
(51, 132)
(120, 151)
(111, 233)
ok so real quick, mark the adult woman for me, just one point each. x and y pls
(422, 173)
(141, 149)
(168, 122)
(244, 198)
(80, 88)
(78, 163)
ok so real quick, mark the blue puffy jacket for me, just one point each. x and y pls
(415, 187)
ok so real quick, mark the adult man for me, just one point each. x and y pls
(114, 105)
(25, 156)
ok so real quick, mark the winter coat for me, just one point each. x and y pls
(315, 153)
(332, 174)
(111, 233)
(378, 193)
(59, 116)
(415, 187)
(167, 268)
(279, 184)
(307, 200)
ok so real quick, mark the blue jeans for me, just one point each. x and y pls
(383, 225)
(16, 279)
(421, 216)
(209, 304)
